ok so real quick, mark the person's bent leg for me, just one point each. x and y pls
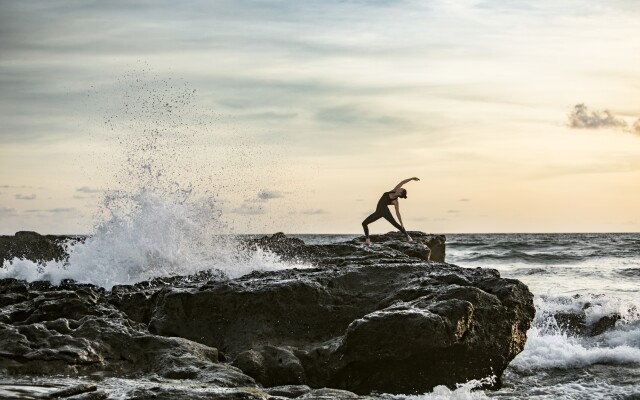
(371, 218)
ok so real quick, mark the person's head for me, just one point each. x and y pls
(403, 193)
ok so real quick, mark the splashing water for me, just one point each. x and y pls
(164, 219)
(463, 391)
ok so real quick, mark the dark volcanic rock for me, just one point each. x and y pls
(74, 329)
(381, 321)
(33, 246)
(355, 318)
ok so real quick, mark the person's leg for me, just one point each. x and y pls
(393, 222)
(371, 218)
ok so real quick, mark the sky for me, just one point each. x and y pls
(295, 116)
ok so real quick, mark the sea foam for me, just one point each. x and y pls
(152, 237)
(550, 345)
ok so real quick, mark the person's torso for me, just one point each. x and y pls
(385, 200)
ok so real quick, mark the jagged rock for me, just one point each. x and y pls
(33, 246)
(385, 317)
(390, 322)
(74, 329)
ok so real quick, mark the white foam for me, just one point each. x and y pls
(549, 346)
(463, 391)
(146, 236)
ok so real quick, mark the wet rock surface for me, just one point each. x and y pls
(359, 319)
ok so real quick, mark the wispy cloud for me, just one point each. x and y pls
(313, 211)
(50, 210)
(87, 189)
(248, 208)
(60, 210)
(25, 197)
(5, 211)
(464, 200)
(266, 195)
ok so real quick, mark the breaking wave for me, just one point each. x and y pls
(163, 217)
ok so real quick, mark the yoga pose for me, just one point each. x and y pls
(382, 210)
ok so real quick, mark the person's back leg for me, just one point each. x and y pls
(371, 218)
(395, 223)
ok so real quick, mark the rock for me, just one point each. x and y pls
(33, 246)
(74, 329)
(328, 394)
(179, 393)
(271, 366)
(73, 390)
(604, 324)
(381, 321)
(288, 391)
(391, 317)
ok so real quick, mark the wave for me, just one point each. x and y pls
(629, 272)
(521, 256)
(463, 391)
(152, 237)
(578, 331)
(623, 246)
(162, 219)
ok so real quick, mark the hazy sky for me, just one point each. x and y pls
(518, 116)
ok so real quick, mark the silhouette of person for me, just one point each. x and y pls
(382, 210)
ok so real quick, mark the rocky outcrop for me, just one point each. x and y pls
(383, 318)
(33, 246)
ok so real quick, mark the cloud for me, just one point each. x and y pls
(87, 189)
(464, 199)
(266, 195)
(50, 210)
(582, 117)
(316, 211)
(26, 197)
(453, 211)
(7, 211)
(636, 127)
(353, 115)
(247, 208)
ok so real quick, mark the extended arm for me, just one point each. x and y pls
(395, 203)
(399, 185)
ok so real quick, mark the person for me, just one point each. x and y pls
(382, 210)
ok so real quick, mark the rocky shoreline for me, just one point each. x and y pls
(389, 318)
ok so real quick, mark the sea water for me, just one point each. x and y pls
(593, 275)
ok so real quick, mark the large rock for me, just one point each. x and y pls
(73, 330)
(385, 318)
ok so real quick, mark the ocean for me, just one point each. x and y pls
(585, 340)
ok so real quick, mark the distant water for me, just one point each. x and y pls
(590, 275)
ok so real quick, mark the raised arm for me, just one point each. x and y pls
(399, 185)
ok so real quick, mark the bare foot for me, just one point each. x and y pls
(367, 242)
(409, 238)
